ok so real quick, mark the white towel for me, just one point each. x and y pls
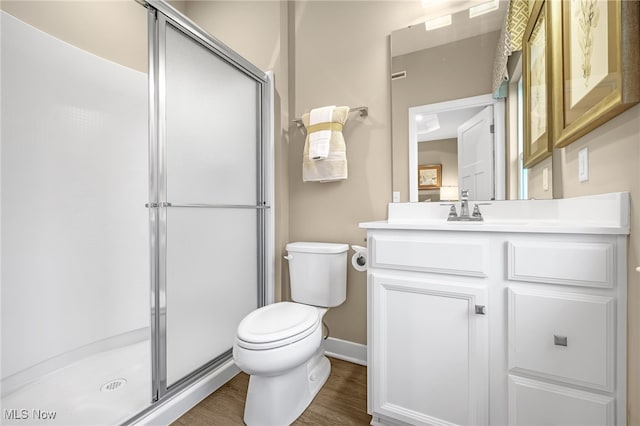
(334, 167)
(320, 141)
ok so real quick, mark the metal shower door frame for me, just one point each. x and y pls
(160, 15)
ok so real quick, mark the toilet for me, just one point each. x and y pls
(280, 345)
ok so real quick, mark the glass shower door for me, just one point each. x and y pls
(209, 202)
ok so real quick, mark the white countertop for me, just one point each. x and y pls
(597, 214)
(541, 228)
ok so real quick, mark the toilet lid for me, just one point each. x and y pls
(277, 322)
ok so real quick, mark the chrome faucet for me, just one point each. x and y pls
(464, 203)
(475, 216)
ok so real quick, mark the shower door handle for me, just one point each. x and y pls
(217, 206)
(207, 206)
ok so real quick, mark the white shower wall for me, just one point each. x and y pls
(75, 245)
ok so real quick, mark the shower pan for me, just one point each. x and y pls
(137, 227)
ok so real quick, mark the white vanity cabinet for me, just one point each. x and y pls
(428, 332)
(491, 324)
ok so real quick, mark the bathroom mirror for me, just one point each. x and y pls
(441, 86)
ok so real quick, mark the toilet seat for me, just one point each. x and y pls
(277, 325)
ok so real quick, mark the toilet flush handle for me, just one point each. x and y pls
(288, 257)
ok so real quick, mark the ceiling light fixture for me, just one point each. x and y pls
(427, 123)
(439, 22)
(483, 8)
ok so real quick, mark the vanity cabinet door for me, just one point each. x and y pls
(428, 350)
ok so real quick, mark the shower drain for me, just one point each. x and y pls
(113, 385)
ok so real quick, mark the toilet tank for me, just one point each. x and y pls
(318, 273)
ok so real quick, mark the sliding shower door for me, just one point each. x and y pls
(207, 199)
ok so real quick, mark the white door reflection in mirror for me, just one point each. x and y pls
(475, 155)
(497, 151)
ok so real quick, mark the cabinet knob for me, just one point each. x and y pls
(481, 310)
(559, 340)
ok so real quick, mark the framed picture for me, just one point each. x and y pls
(430, 177)
(536, 85)
(598, 60)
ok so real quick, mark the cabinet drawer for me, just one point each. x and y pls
(567, 263)
(437, 255)
(540, 404)
(562, 336)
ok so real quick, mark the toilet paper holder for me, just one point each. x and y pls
(359, 258)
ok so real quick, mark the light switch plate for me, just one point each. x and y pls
(583, 164)
(396, 196)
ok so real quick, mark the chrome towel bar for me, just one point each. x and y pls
(362, 110)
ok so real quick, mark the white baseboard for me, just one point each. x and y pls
(346, 350)
(169, 411)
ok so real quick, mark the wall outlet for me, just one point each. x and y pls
(583, 164)
(545, 179)
(396, 196)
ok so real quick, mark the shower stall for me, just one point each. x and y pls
(137, 228)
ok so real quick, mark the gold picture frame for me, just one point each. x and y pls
(598, 65)
(430, 176)
(536, 84)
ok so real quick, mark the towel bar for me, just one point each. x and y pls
(362, 110)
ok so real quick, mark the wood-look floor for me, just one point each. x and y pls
(342, 401)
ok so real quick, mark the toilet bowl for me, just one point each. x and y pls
(278, 337)
(280, 345)
(287, 366)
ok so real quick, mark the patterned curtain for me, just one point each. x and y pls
(515, 22)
